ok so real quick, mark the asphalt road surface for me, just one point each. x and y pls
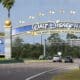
(33, 71)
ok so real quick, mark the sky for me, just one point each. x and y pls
(22, 9)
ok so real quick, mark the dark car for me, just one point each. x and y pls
(68, 59)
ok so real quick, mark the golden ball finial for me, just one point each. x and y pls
(8, 23)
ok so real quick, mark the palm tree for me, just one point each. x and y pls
(0, 1)
(8, 4)
(71, 36)
(54, 38)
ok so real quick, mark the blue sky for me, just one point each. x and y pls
(22, 9)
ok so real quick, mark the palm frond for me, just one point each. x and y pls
(0, 1)
(8, 3)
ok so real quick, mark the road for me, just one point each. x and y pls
(33, 71)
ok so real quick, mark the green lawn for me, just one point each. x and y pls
(74, 75)
(35, 60)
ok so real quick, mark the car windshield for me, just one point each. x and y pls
(69, 57)
(56, 56)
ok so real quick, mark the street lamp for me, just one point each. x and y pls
(21, 21)
(51, 12)
(31, 17)
(41, 14)
(72, 12)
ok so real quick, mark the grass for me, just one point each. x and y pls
(73, 75)
(2, 58)
(35, 60)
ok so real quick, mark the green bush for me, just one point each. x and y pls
(5, 61)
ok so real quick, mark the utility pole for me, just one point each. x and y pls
(44, 53)
(41, 39)
(41, 44)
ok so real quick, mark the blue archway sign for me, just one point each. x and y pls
(1, 46)
(21, 29)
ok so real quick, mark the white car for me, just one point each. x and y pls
(57, 58)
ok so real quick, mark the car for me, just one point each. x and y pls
(68, 59)
(57, 58)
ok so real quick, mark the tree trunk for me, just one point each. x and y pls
(8, 13)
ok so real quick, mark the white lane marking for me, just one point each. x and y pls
(29, 78)
(65, 67)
